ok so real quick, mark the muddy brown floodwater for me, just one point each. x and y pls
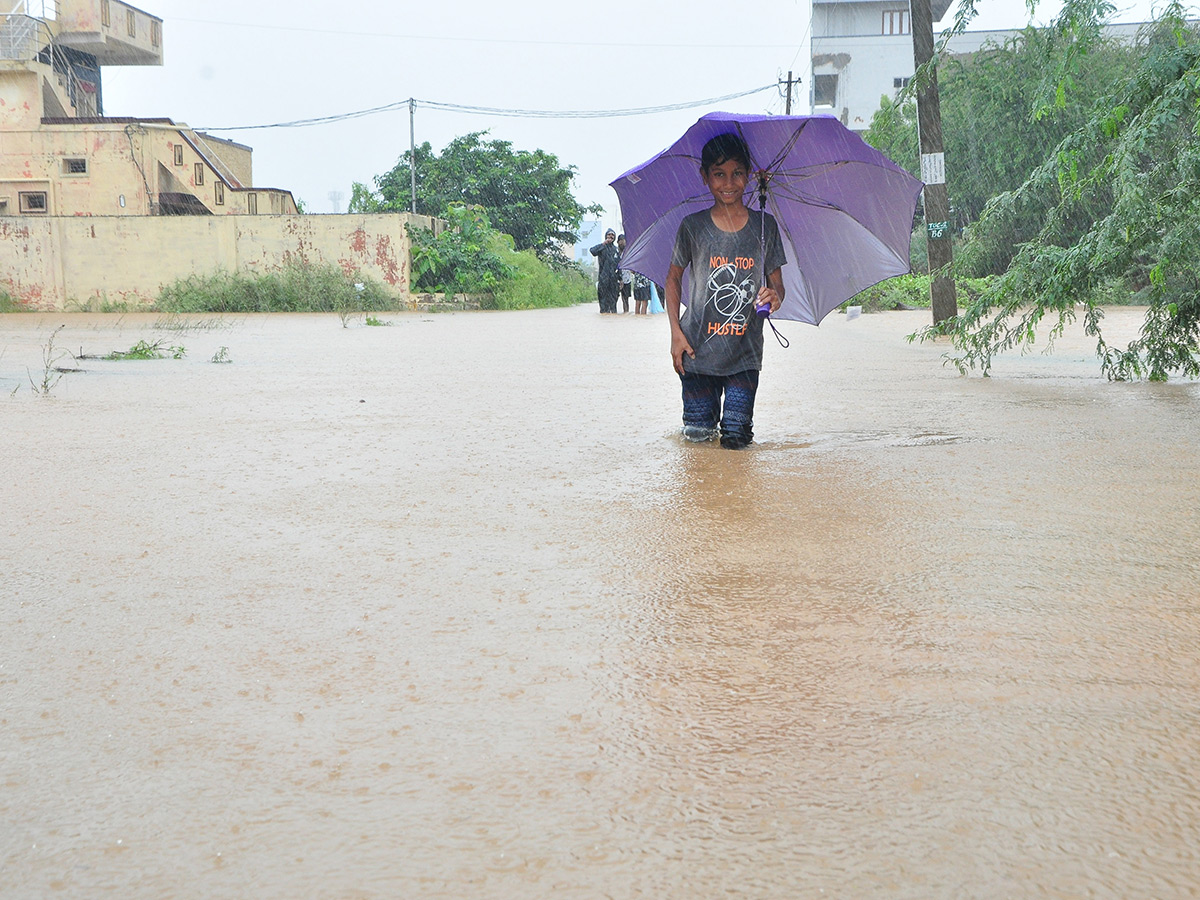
(447, 610)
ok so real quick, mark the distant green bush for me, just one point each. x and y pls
(909, 292)
(297, 287)
(536, 285)
(471, 257)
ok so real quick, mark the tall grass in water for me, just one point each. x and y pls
(294, 288)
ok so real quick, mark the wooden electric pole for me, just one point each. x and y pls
(787, 111)
(943, 299)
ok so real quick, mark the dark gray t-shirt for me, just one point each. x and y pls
(726, 271)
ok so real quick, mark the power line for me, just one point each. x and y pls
(494, 111)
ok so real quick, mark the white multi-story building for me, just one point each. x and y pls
(862, 50)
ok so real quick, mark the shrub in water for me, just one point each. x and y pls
(297, 287)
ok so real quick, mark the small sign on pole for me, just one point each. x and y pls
(933, 168)
(937, 230)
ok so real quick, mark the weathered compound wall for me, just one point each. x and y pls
(60, 262)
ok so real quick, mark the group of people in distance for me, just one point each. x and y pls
(734, 256)
(613, 280)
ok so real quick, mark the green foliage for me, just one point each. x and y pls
(9, 303)
(1116, 200)
(297, 287)
(997, 123)
(909, 292)
(527, 194)
(893, 132)
(995, 136)
(221, 356)
(364, 200)
(536, 285)
(463, 259)
(149, 350)
(473, 258)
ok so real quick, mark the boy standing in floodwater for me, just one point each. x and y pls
(717, 345)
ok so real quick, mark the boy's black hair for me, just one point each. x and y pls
(723, 148)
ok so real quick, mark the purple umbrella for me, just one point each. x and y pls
(845, 211)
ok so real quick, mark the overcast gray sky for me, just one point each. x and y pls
(234, 63)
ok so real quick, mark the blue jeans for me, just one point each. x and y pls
(702, 409)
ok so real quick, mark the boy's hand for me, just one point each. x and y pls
(680, 346)
(766, 294)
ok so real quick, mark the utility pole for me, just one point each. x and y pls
(790, 81)
(943, 299)
(412, 150)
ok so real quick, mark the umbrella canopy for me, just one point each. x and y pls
(845, 211)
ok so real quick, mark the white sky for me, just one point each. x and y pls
(233, 63)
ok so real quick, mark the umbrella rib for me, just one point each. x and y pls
(787, 147)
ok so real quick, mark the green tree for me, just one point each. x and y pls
(995, 129)
(527, 194)
(1114, 203)
(893, 131)
(465, 258)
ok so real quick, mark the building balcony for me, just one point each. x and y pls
(115, 33)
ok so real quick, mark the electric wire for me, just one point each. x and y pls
(468, 109)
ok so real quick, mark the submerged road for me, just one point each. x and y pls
(447, 610)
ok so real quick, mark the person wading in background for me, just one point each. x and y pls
(608, 280)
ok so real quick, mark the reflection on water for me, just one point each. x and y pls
(443, 610)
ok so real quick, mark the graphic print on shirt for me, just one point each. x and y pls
(731, 290)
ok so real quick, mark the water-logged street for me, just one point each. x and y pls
(447, 610)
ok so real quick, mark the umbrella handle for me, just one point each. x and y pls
(763, 309)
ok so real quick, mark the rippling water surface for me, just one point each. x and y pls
(445, 609)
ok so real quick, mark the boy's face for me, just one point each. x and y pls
(727, 181)
(621, 243)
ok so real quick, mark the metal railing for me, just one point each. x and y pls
(29, 38)
(19, 36)
(40, 9)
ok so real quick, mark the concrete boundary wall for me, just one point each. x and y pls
(59, 262)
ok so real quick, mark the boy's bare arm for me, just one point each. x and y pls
(679, 343)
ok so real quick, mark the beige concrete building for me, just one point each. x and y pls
(98, 210)
(59, 154)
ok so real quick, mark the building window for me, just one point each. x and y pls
(899, 83)
(105, 14)
(252, 204)
(896, 21)
(131, 22)
(825, 90)
(179, 154)
(219, 192)
(156, 33)
(199, 173)
(74, 166)
(32, 201)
